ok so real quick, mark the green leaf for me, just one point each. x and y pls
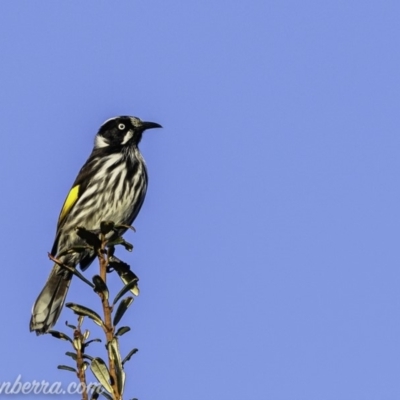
(113, 349)
(128, 246)
(121, 331)
(125, 227)
(123, 306)
(77, 344)
(120, 266)
(100, 371)
(96, 392)
(72, 355)
(116, 241)
(126, 288)
(106, 227)
(87, 357)
(125, 273)
(60, 335)
(70, 326)
(129, 355)
(91, 341)
(66, 368)
(100, 286)
(128, 277)
(86, 312)
(89, 237)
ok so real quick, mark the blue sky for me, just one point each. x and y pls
(268, 245)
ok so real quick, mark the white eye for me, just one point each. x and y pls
(121, 127)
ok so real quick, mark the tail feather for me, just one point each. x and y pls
(48, 305)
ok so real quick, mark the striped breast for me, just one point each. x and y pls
(116, 192)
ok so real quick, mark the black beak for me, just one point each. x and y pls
(149, 125)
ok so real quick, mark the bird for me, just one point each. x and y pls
(111, 186)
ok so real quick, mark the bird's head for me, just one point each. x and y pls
(122, 131)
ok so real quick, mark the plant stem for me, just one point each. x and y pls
(79, 361)
(107, 310)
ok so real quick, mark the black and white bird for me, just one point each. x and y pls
(111, 186)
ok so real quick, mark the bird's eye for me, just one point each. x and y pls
(121, 127)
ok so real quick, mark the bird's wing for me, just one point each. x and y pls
(79, 187)
(69, 202)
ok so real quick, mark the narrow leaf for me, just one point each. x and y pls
(91, 341)
(120, 266)
(100, 371)
(60, 335)
(128, 246)
(69, 325)
(113, 349)
(128, 277)
(125, 273)
(129, 355)
(95, 395)
(126, 288)
(100, 286)
(116, 241)
(86, 312)
(125, 227)
(66, 368)
(96, 392)
(77, 344)
(121, 331)
(123, 306)
(72, 355)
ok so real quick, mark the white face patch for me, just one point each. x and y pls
(136, 122)
(100, 142)
(127, 137)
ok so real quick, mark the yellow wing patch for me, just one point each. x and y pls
(68, 203)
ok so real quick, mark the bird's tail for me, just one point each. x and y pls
(48, 305)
